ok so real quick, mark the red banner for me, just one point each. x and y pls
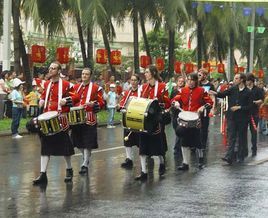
(116, 57)
(160, 64)
(63, 55)
(101, 56)
(145, 61)
(38, 54)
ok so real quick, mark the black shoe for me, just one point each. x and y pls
(41, 179)
(162, 169)
(142, 177)
(254, 153)
(229, 161)
(69, 175)
(127, 164)
(84, 170)
(201, 162)
(183, 167)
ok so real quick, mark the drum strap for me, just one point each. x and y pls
(88, 91)
(59, 94)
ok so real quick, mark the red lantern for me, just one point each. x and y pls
(221, 68)
(38, 54)
(160, 64)
(63, 55)
(101, 56)
(206, 66)
(261, 73)
(116, 57)
(177, 67)
(145, 61)
(189, 68)
(241, 69)
(235, 69)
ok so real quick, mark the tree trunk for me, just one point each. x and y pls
(199, 44)
(146, 43)
(20, 43)
(107, 47)
(90, 47)
(136, 38)
(171, 45)
(231, 54)
(81, 38)
(16, 27)
(219, 46)
(204, 48)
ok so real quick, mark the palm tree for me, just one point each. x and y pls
(19, 46)
(175, 15)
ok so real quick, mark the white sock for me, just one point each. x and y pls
(143, 163)
(82, 152)
(161, 159)
(185, 154)
(44, 163)
(129, 152)
(200, 153)
(87, 154)
(68, 162)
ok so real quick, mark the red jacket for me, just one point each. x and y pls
(96, 95)
(193, 99)
(67, 91)
(147, 91)
(126, 95)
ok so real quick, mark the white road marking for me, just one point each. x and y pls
(103, 150)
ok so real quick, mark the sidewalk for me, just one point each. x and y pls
(24, 130)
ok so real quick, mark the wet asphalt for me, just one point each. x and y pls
(217, 190)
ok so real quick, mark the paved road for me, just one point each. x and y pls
(109, 191)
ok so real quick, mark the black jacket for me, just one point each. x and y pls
(238, 98)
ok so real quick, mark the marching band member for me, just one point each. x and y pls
(153, 144)
(84, 136)
(191, 98)
(130, 138)
(56, 96)
(204, 82)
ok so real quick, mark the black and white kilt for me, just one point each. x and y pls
(133, 138)
(153, 144)
(84, 136)
(59, 144)
(190, 137)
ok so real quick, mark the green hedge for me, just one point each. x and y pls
(5, 124)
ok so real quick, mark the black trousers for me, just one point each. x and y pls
(253, 132)
(204, 131)
(237, 130)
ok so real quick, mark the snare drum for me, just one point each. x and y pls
(189, 119)
(49, 123)
(77, 115)
(141, 114)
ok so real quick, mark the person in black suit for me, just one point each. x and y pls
(238, 115)
(258, 97)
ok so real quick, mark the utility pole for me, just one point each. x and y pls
(252, 38)
(6, 34)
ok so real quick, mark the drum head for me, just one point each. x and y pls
(47, 115)
(188, 115)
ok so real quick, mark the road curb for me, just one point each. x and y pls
(25, 132)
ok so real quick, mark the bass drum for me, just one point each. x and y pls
(141, 114)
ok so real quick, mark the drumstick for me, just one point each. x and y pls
(127, 137)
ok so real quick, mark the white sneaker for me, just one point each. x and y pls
(17, 136)
(113, 126)
(109, 126)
